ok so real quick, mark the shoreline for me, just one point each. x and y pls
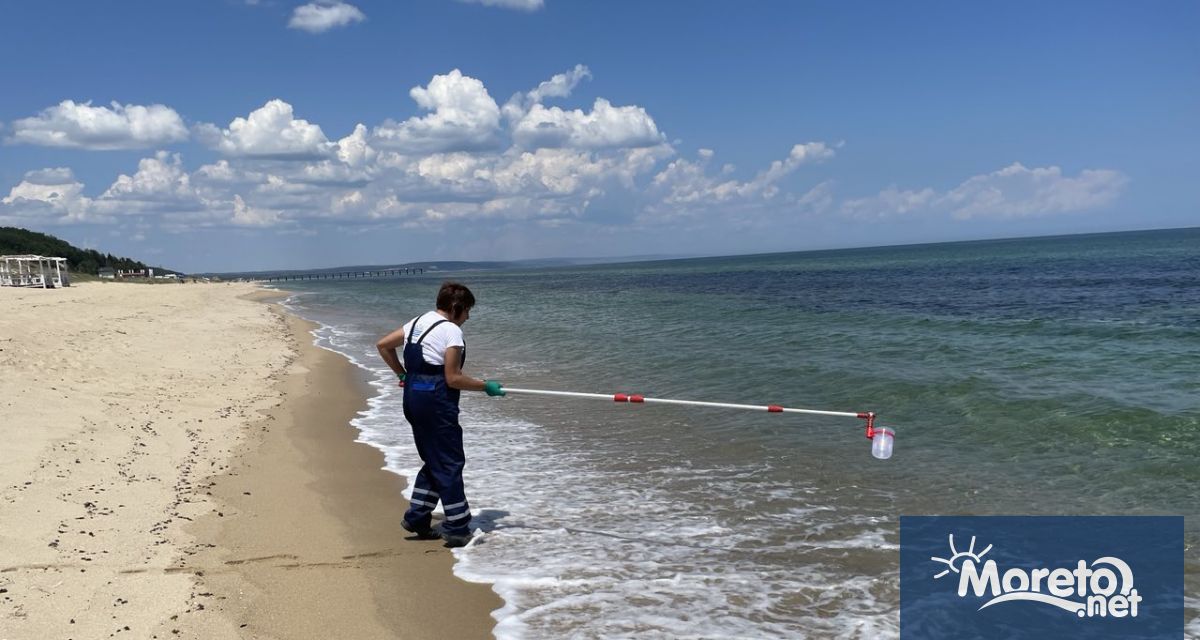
(178, 462)
(305, 466)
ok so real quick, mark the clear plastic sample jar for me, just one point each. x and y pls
(881, 443)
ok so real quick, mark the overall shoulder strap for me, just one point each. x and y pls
(408, 339)
(429, 330)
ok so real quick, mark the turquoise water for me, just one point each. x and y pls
(1034, 376)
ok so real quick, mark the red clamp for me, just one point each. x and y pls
(620, 397)
(774, 408)
(869, 416)
(637, 398)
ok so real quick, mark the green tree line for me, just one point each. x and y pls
(22, 241)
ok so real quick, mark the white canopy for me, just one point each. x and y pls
(32, 271)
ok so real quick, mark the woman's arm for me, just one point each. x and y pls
(387, 350)
(455, 378)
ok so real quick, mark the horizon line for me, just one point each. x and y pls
(639, 258)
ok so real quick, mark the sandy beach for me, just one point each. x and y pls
(176, 461)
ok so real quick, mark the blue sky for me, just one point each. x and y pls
(228, 135)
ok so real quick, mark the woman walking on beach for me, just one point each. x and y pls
(431, 374)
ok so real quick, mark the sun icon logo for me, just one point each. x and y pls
(958, 557)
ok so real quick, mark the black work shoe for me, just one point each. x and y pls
(425, 533)
(456, 540)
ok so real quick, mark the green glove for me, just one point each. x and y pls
(494, 388)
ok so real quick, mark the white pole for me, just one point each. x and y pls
(882, 438)
(638, 399)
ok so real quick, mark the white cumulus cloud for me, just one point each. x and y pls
(245, 215)
(321, 16)
(558, 86)
(119, 126)
(57, 175)
(354, 150)
(523, 5)
(890, 202)
(271, 132)
(48, 195)
(687, 187)
(462, 157)
(220, 171)
(1012, 192)
(463, 117)
(1016, 191)
(603, 126)
(158, 179)
(554, 171)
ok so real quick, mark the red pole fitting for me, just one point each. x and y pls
(774, 408)
(869, 416)
(620, 397)
(637, 398)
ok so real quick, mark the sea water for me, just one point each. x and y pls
(1033, 376)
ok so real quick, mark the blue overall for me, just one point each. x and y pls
(431, 407)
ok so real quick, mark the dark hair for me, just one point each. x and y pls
(454, 298)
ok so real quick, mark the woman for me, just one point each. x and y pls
(431, 374)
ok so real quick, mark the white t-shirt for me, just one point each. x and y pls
(444, 336)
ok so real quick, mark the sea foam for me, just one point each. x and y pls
(576, 549)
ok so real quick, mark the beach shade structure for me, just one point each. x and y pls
(882, 438)
(32, 271)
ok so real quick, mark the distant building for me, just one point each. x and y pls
(135, 273)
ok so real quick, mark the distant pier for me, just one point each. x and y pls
(335, 275)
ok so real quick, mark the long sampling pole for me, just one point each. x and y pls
(882, 437)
